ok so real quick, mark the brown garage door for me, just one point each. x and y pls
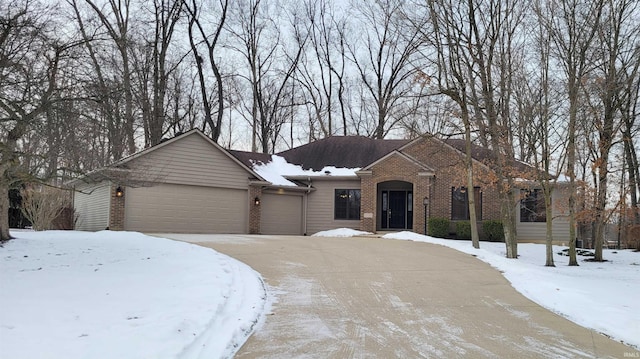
(281, 214)
(186, 209)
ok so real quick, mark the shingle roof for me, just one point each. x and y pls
(479, 153)
(341, 152)
(357, 152)
(488, 156)
(250, 158)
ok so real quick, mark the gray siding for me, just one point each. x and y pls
(281, 213)
(320, 206)
(191, 160)
(92, 206)
(537, 231)
(186, 209)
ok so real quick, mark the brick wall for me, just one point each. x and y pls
(116, 210)
(254, 210)
(367, 203)
(394, 168)
(449, 167)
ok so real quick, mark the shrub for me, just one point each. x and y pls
(463, 230)
(492, 231)
(439, 227)
(42, 204)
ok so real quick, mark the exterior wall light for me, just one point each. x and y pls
(119, 192)
(256, 201)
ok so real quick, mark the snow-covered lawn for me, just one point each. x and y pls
(126, 295)
(602, 296)
(122, 295)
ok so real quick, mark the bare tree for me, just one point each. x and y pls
(450, 39)
(386, 59)
(540, 122)
(199, 35)
(572, 25)
(617, 38)
(321, 73)
(154, 60)
(270, 67)
(115, 17)
(105, 121)
(482, 50)
(629, 110)
(29, 68)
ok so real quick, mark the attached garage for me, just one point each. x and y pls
(281, 213)
(188, 184)
(186, 209)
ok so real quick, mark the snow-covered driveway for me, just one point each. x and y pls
(370, 297)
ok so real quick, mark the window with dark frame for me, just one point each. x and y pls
(347, 204)
(460, 203)
(532, 206)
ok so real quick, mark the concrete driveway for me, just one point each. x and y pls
(377, 298)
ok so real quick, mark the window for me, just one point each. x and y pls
(347, 204)
(532, 206)
(460, 203)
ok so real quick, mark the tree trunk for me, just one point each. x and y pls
(632, 166)
(4, 211)
(473, 216)
(571, 173)
(549, 227)
(601, 201)
(509, 222)
(8, 161)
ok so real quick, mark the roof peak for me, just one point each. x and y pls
(354, 151)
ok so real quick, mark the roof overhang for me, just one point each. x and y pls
(290, 188)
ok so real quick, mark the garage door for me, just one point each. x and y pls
(186, 209)
(281, 214)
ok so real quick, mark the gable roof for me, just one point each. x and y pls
(119, 168)
(403, 155)
(341, 152)
(487, 156)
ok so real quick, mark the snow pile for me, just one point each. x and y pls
(340, 232)
(602, 296)
(122, 295)
(278, 169)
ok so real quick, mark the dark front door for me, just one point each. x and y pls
(398, 209)
(395, 210)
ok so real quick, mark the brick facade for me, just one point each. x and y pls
(448, 164)
(255, 191)
(116, 210)
(432, 168)
(394, 168)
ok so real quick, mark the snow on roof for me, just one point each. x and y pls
(278, 169)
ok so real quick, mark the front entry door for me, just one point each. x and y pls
(395, 209)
